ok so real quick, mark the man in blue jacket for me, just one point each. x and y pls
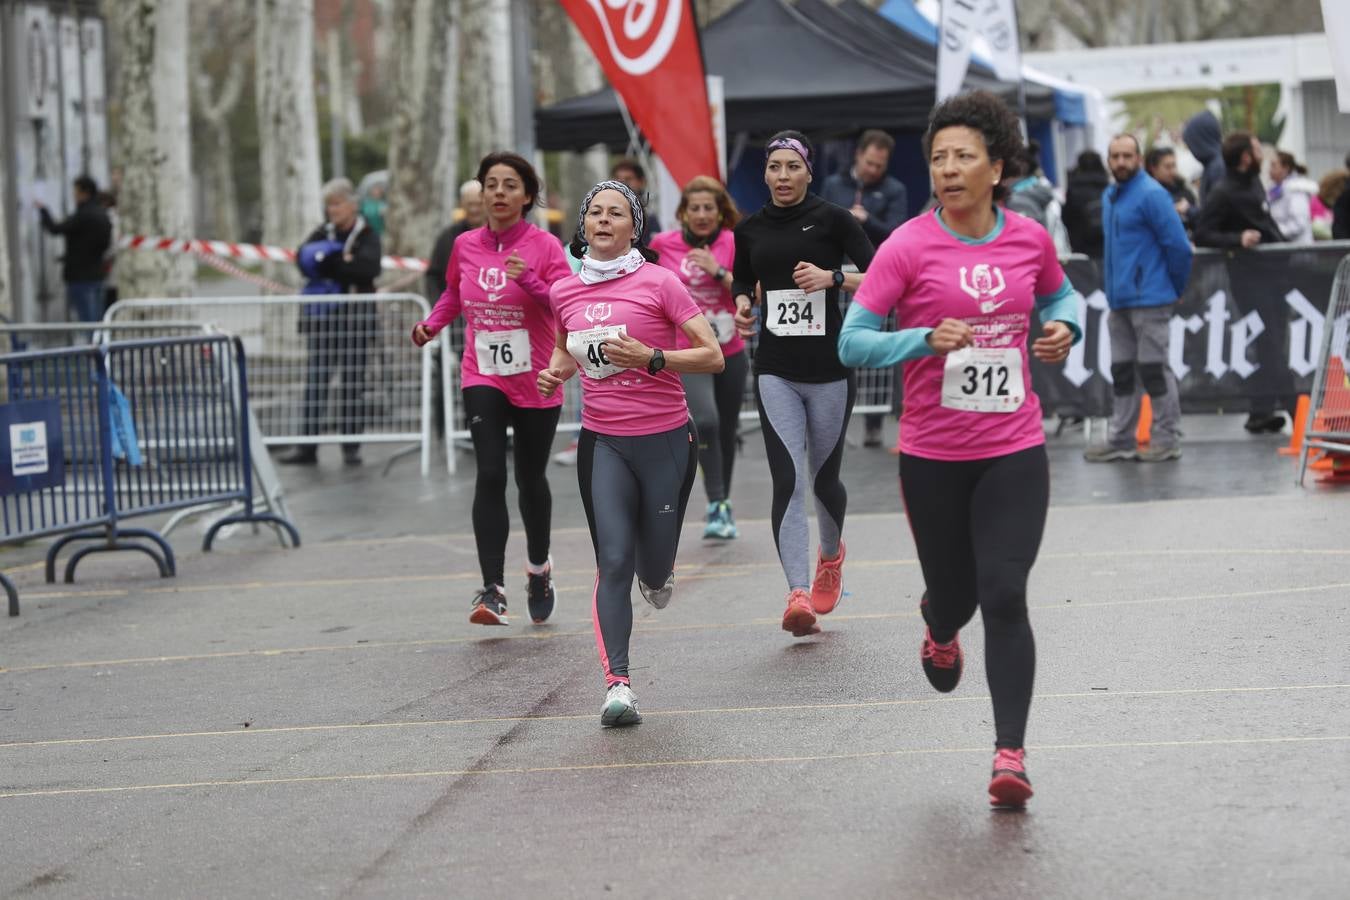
(1146, 265)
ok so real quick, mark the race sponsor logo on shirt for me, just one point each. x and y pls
(984, 283)
(599, 312)
(493, 281)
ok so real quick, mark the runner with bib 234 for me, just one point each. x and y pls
(968, 283)
(792, 248)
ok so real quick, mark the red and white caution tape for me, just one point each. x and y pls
(252, 252)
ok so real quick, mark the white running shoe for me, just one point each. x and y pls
(567, 457)
(620, 707)
(658, 597)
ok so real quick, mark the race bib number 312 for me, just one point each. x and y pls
(795, 313)
(983, 380)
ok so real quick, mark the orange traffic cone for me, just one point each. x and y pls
(1144, 432)
(1300, 425)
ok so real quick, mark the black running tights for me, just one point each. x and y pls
(977, 525)
(489, 412)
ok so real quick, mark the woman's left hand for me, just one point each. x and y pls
(812, 278)
(627, 353)
(1054, 347)
(703, 258)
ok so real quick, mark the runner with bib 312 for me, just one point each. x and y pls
(792, 249)
(970, 283)
(498, 278)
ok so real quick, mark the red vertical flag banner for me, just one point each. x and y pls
(650, 53)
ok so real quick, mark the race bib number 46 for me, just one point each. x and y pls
(795, 313)
(983, 380)
(588, 349)
(502, 352)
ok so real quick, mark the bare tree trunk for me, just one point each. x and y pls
(7, 303)
(486, 73)
(214, 105)
(447, 154)
(421, 35)
(288, 132)
(152, 142)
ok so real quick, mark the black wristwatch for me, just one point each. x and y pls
(657, 362)
(838, 278)
(721, 273)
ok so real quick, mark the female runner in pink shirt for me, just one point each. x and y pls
(499, 277)
(965, 281)
(618, 318)
(702, 252)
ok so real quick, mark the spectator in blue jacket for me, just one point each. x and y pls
(1146, 265)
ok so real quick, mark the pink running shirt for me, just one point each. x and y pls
(926, 273)
(650, 304)
(508, 323)
(713, 298)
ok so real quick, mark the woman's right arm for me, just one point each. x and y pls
(447, 308)
(561, 366)
(743, 281)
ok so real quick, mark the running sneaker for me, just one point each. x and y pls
(1107, 453)
(941, 662)
(800, 618)
(489, 607)
(720, 525)
(1159, 454)
(658, 597)
(539, 593)
(828, 588)
(620, 707)
(1009, 787)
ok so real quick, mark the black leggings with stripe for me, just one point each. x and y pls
(635, 489)
(977, 525)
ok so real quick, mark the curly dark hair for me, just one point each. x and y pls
(990, 116)
(528, 176)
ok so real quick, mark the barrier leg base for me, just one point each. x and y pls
(12, 593)
(281, 524)
(111, 542)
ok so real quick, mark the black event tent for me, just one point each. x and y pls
(808, 66)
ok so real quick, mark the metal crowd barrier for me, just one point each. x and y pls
(325, 369)
(90, 436)
(1328, 423)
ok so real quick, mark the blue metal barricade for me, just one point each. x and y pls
(90, 436)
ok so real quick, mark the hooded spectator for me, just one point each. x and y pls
(1083, 204)
(1204, 138)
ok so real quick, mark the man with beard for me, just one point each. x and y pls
(1146, 265)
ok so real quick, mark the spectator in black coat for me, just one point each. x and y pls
(1083, 204)
(88, 234)
(1340, 211)
(1161, 163)
(339, 334)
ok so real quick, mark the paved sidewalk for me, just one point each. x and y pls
(325, 722)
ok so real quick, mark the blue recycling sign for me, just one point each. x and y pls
(32, 453)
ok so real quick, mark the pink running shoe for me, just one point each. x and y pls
(828, 587)
(941, 662)
(800, 618)
(1009, 788)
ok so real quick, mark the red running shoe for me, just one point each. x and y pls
(828, 587)
(1009, 788)
(800, 618)
(941, 662)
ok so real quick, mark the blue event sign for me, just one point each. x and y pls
(32, 455)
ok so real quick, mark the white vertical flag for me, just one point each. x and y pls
(962, 21)
(1336, 18)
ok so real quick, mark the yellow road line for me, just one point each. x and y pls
(667, 764)
(725, 710)
(638, 627)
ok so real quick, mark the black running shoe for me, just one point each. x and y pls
(489, 607)
(941, 662)
(540, 594)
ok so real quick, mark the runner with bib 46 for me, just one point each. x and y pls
(965, 281)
